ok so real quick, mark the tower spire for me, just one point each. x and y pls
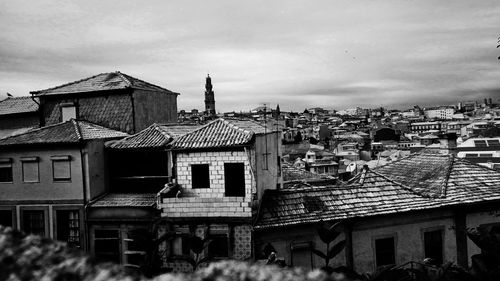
(209, 97)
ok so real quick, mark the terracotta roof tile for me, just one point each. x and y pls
(101, 82)
(390, 189)
(220, 133)
(12, 105)
(126, 200)
(71, 131)
(154, 136)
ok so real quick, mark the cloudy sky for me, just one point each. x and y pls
(333, 54)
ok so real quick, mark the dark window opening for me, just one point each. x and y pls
(385, 252)
(302, 255)
(433, 243)
(6, 170)
(68, 227)
(234, 179)
(200, 176)
(181, 246)
(136, 243)
(34, 222)
(219, 246)
(107, 245)
(6, 218)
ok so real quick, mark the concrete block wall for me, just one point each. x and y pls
(210, 202)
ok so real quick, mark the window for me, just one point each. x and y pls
(68, 111)
(480, 143)
(61, 168)
(30, 169)
(180, 246)
(5, 170)
(34, 222)
(219, 247)
(200, 176)
(234, 179)
(301, 254)
(6, 218)
(68, 227)
(385, 251)
(135, 247)
(107, 245)
(433, 246)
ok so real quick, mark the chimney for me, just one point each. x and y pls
(363, 174)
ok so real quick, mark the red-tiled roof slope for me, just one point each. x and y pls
(373, 193)
(425, 173)
(71, 131)
(13, 105)
(220, 133)
(102, 82)
(154, 136)
(126, 200)
(290, 207)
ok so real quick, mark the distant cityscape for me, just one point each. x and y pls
(110, 166)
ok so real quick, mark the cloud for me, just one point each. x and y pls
(333, 54)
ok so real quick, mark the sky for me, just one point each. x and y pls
(333, 54)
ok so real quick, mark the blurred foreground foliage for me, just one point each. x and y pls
(29, 257)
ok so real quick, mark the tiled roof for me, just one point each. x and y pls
(154, 136)
(374, 193)
(71, 131)
(126, 200)
(101, 82)
(12, 105)
(291, 173)
(425, 173)
(220, 133)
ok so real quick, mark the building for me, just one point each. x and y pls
(48, 175)
(441, 113)
(423, 127)
(209, 98)
(483, 151)
(120, 223)
(114, 100)
(18, 115)
(222, 170)
(414, 208)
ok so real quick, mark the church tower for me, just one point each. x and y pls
(209, 97)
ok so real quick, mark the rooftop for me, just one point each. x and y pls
(220, 133)
(126, 200)
(71, 131)
(102, 82)
(13, 105)
(154, 136)
(418, 182)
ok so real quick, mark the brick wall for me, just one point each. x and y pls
(210, 202)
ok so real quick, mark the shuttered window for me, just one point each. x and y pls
(61, 168)
(30, 169)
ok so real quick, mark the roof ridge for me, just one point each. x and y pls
(134, 78)
(127, 81)
(77, 128)
(67, 84)
(400, 184)
(444, 184)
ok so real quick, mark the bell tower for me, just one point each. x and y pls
(209, 97)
